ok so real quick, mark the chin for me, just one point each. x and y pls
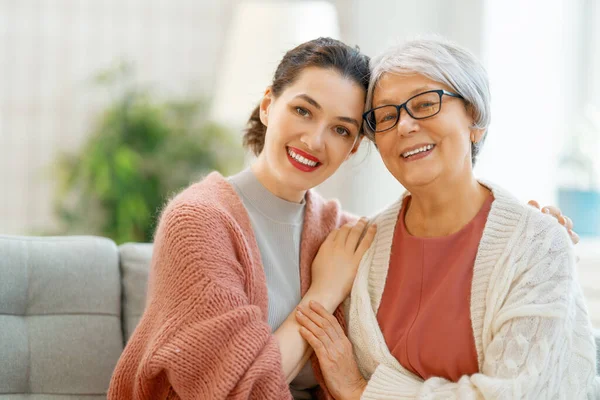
(416, 180)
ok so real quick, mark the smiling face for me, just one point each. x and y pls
(424, 151)
(312, 128)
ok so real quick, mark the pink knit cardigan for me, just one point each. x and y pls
(204, 333)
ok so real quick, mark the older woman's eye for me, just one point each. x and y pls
(426, 105)
(387, 117)
(303, 112)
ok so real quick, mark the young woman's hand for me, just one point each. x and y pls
(562, 219)
(336, 263)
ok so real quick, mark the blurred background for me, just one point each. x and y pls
(109, 107)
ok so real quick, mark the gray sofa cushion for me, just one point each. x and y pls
(60, 328)
(135, 264)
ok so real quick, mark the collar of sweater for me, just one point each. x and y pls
(272, 207)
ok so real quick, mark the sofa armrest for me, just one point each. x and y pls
(134, 259)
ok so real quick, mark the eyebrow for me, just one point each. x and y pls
(411, 94)
(312, 101)
(349, 120)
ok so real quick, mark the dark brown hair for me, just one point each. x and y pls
(323, 53)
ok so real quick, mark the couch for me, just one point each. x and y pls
(67, 307)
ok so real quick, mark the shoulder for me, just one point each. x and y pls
(320, 205)
(200, 227)
(528, 258)
(212, 191)
(328, 212)
(532, 222)
(532, 233)
(207, 209)
(543, 234)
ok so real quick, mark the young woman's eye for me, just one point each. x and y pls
(340, 130)
(303, 112)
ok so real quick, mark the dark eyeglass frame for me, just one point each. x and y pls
(399, 108)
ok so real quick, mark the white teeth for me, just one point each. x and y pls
(301, 159)
(416, 151)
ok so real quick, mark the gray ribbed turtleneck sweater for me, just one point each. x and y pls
(277, 226)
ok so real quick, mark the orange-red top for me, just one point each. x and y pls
(425, 307)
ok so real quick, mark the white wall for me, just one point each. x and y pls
(530, 53)
(260, 34)
(50, 49)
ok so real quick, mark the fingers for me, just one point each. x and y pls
(314, 323)
(323, 326)
(355, 234)
(328, 317)
(366, 241)
(332, 236)
(305, 319)
(568, 222)
(574, 236)
(312, 340)
(343, 233)
(563, 220)
(554, 211)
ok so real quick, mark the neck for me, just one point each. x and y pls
(275, 186)
(443, 208)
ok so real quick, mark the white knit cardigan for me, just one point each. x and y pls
(531, 327)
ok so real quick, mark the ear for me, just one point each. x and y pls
(355, 147)
(476, 135)
(265, 103)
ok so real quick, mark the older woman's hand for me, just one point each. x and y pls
(336, 358)
(562, 219)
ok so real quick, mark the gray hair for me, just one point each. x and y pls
(442, 61)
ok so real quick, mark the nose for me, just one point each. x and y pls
(314, 139)
(407, 125)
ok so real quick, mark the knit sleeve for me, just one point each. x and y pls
(201, 336)
(539, 345)
(223, 350)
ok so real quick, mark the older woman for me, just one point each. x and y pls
(465, 292)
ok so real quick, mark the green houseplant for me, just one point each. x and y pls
(140, 152)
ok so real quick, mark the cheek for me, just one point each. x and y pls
(455, 139)
(280, 133)
(390, 160)
(280, 119)
(385, 146)
(338, 152)
(461, 141)
(271, 137)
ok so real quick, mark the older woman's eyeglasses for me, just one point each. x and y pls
(420, 106)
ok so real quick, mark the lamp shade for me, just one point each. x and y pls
(260, 34)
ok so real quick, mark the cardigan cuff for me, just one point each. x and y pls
(386, 383)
